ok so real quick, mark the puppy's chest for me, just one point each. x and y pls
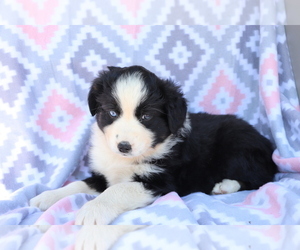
(118, 171)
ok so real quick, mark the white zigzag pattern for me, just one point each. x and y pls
(215, 214)
(29, 81)
(219, 10)
(266, 12)
(235, 50)
(153, 218)
(28, 19)
(292, 97)
(218, 33)
(97, 12)
(273, 242)
(25, 177)
(193, 77)
(261, 201)
(162, 18)
(244, 89)
(81, 36)
(193, 12)
(150, 57)
(8, 76)
(135, 43)
(216, 237)
(4, 133)
(28, 145)
(52, 44)
(142, 12)
(152, 241)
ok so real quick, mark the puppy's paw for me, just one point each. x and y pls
(45, 199)
(226, 187)
(94, 213)
(92, 237)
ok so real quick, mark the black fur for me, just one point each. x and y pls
(217, 147)
(97, 182)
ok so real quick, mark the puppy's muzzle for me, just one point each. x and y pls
(124, 147)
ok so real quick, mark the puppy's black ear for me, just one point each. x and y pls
(102, 82)
(95, 91)
(113, 68)
(176, 107)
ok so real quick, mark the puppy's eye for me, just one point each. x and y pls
(146, 117)
(113, 113)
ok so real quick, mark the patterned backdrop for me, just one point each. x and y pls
(45, 75)
(191, 12)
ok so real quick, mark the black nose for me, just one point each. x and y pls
(124, 147)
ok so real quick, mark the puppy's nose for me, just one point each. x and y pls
(124, 147)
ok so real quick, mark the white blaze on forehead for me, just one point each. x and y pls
(130, 91)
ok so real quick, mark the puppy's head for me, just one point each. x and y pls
(136, 110)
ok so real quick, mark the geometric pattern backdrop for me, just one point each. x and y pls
(46, 74)
(47, 65)
(120, 12)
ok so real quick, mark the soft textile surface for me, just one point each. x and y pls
(205, 12)
(44, 129)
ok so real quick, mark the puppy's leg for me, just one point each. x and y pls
(48, 198)
(226, 187)
(112, 202)
(101, 237)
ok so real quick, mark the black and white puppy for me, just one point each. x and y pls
(145, 144)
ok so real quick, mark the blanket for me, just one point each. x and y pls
(44, 128)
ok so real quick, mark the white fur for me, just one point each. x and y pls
(226, 187)
(112, 202)
(129, 91)
(117, 168)
(48, 198)
(101, 237)
(186, 129)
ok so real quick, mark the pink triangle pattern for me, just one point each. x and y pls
(132, 30)
(270, 206)
(41, 38)
(287, 164)
(272, 232)
(217, 2)
(41, 16)
(133, 6)
(222, 83)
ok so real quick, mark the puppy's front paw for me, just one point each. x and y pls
(45, 199)
(94, 237)
(94, 213)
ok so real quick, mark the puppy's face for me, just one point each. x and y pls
(136, 110)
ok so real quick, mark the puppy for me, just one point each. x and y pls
(145, 144)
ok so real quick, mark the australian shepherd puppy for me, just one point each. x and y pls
(145, 144)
